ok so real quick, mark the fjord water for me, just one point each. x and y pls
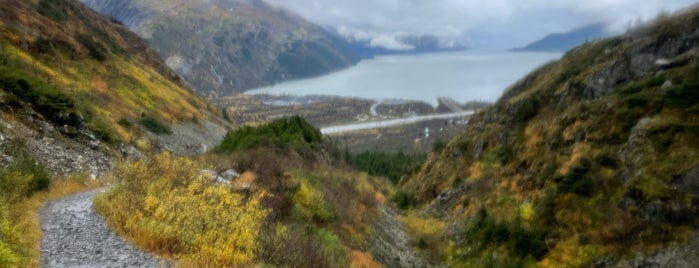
(462, 76)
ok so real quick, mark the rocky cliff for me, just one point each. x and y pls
(228, 46)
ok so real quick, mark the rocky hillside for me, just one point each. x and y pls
(78, 94)
(228, 46)
(588, 160)
(72, 80)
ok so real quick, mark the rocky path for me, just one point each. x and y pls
(75, 236)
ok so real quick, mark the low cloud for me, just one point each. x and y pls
(506, 23)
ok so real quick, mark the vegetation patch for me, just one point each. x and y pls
(25, 185)
(97, 50)
(521, 243)
(53, 9)
(46, 98)
(167, 207)
(390, 165)
(576, 180)
(25, 175)
(156, 126)
(293, 133)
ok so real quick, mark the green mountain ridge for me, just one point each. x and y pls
(586, 161)
(224, 47)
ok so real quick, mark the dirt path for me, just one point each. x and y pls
(75, 236)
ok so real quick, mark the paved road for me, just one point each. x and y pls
(75, 236)
(391, 122)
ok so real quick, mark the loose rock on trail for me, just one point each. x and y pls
(76, 236)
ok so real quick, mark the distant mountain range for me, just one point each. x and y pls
(565, 41)
(224, 47)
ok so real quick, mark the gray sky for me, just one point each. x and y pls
(475, 23)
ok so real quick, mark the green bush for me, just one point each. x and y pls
(46, 98)
(103, 129)
(125, 123)
(577, 181)
(390, 165)
(520, 241)
(155, 126)
(403, 200)
(294, 133)
(683, 96)
(53, 9)
(97, 50)
(497, 156)
(527, 109)
(24, 175)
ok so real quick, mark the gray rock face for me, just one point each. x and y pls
(63, 158)
(191, 138)
(391, 244)
(75, 236)
(678, 256)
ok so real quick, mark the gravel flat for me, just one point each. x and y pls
(75, 236)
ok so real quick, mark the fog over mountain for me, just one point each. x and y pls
(473, 23)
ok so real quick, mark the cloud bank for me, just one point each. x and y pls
(476, 23)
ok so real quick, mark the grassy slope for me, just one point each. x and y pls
(558, 173)
(105, 70)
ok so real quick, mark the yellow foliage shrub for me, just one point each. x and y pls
(310, 204)
(164, 205)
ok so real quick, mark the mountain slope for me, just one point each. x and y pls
(233, 45)
(92, 70)
(587, 160)
(79, 93)
(565, 41)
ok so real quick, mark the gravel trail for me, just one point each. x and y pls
(75, 236)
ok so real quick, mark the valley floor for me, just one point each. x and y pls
(359, 124)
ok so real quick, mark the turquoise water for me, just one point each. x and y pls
(463, 76)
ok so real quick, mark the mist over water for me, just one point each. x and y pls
(463, 76)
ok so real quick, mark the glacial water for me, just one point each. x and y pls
(462, 76)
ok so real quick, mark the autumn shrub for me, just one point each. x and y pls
(309, 203)
(165, 205)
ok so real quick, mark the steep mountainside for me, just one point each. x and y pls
(67, 69)
(228, 46)
(589, 159)
(565, 41)
(78, 94)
